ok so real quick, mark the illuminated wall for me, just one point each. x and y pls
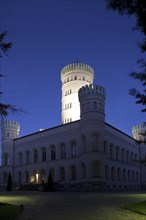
(73, 77)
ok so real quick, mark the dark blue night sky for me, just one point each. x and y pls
(46, 36)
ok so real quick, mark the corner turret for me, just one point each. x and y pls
(92, 103)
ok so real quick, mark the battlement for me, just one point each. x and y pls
(70, 68)
(91, 90)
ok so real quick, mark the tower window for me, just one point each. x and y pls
(88, 105)
(8, 134)
(95, 105)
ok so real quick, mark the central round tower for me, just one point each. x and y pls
(73, 77)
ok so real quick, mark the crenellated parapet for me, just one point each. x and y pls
(10, 129)
(139, 132)
(90, 91)
(77, 67)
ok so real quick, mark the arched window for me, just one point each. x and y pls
(20, 158)
(73, 173)
(113, 174)
(127, 156)
(122, 154)
(26, 176)
(119, 174)
(83, 168)
(124, 175)
(43, 154)
(5, 177)
(63, 151)
(52, 173)
(129, 176)
(27, 157)
(105, 148)
(107, 176)
(117, 153)
(6, 159)
(62, 174)
(133, 176)
(73, 149)
(111, 151)
(95, 169)
(53, 153)
(35, 155)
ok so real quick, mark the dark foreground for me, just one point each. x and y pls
(75, 205)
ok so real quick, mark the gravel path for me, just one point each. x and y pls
(74, 205)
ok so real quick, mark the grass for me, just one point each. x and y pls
(139, 207)
(8, 211)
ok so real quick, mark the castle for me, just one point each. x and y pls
(84, 152)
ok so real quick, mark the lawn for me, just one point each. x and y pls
(139, 207)
(8, 211)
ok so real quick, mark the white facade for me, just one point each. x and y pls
(73, 77)
(85, 154)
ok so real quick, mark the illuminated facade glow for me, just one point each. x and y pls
(73, 77)
(84, 152)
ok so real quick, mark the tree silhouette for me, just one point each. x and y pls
(138, 9)
(5, 109)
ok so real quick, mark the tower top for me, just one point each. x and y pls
(91, 90)
(139, 131)
(10, 129)
(75, 67)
